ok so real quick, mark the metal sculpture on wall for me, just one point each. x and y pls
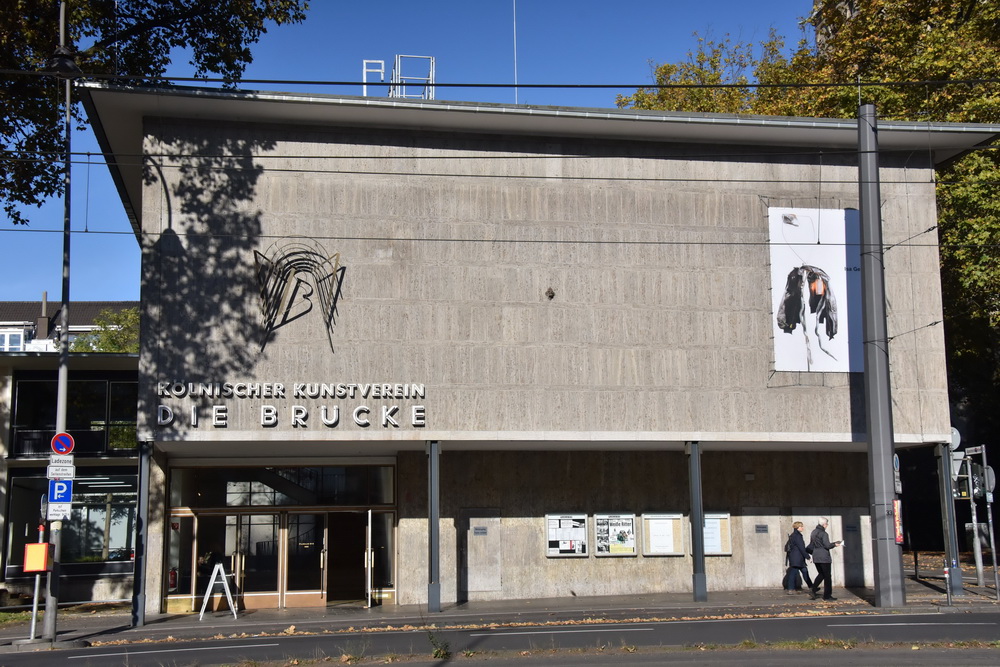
(289, 277)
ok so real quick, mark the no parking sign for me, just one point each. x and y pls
(62, 443)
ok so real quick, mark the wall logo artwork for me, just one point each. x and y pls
(816, 289)
(296, 279)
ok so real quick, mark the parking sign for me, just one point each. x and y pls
(60, 490)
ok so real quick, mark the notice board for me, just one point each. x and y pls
(663, 534)
(566, 535)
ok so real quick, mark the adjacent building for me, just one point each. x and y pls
(359, 314)
(98, 539)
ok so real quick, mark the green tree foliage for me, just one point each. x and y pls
(948, 52)
(117, 331)
(126, 38)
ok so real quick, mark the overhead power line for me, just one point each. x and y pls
(594, 86)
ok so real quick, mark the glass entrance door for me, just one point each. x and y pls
(253, 545)
(280, 559)
(305, 544)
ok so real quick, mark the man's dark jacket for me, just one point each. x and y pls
(821, 545)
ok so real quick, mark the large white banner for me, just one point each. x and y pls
(816, 289)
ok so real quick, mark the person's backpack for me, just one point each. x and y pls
(788, 545)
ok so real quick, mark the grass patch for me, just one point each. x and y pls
(14, 617)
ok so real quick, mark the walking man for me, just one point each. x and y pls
(820, 543)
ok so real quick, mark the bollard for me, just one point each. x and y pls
(947, 580)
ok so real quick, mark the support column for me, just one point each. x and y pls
(888, 560)
(699, 583)
(141, 535)
(433, 526)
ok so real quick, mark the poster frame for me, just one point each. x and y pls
(725, 535)
(553, 535)
(677, 519)
(615, 516)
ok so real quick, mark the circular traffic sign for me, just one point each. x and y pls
(62, 443)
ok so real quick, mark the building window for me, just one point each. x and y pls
(100, 414)
(342, 486)
(101, 526)
(11, 341)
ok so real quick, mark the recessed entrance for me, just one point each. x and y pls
(280, 557)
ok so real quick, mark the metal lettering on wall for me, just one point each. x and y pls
(305, 413)
(289, 277)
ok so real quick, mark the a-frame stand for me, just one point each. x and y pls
(219, 571)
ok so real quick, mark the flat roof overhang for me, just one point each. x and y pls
(117, 115)
(78, 361)
(319, 446)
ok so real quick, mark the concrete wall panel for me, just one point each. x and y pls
(657, 266)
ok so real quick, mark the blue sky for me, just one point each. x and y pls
(558, 41)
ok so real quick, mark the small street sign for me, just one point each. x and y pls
(58, 511)
(62, 443)
(61, 459)
(897, 482)
(974, 450)
(61, 472)
(60, 491)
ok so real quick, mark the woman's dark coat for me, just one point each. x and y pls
(797, 556)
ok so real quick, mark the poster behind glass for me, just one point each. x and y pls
(662, 534)
(566, 535)
(614, 534)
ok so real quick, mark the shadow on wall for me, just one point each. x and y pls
(201, 318)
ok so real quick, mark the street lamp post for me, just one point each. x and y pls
(62, 65)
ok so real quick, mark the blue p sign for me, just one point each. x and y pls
(60, 490)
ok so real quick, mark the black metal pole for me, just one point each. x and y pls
(889, 590)
(62, 386)
(141, 532)
(699, 583)
(433, 526)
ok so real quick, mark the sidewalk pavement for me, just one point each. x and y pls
(103, 624)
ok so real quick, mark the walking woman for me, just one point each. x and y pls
(797, 557)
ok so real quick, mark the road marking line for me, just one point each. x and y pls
(554, 632)
(871, 625)
(172, 650)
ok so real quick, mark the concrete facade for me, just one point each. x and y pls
(561, 298)
(659, 325)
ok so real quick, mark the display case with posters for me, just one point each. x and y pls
(614, 535)
(663, 534)
(566, 536)
(718, 534)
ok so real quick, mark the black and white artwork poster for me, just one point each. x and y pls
(816, 289)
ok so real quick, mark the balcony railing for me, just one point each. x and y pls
(101, 439)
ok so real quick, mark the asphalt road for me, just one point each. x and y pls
(674, 642)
